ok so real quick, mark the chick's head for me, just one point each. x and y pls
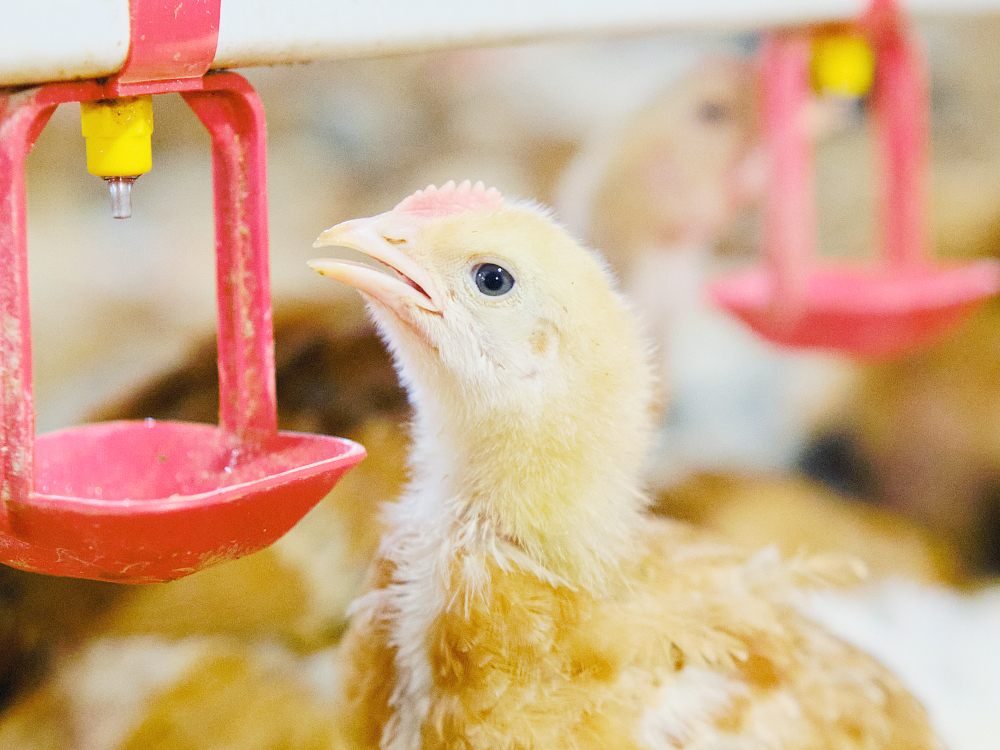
(491, 300)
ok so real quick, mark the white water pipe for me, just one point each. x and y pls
(50, 40)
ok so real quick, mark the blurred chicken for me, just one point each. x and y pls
(676, 174)
(802, 516)
(664, 195)
(920, 436)
(521, 552)
(147, 693)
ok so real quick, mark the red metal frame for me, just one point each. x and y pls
(170, 40)
(149, 501)
(229, 108)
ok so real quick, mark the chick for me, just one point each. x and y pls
(522, 597)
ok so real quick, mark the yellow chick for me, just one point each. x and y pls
(522, 596)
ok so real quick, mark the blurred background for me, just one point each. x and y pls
(648, 147)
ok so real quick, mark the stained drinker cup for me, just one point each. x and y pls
(145, 501)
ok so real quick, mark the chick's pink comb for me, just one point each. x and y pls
(449, 199)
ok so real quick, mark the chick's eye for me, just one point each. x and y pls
(493, 280)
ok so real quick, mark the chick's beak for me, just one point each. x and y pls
(414, 283)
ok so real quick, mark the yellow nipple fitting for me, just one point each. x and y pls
(843, 64)
(119, 144)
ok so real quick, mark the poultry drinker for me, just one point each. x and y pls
(145, 501)
(906, 300)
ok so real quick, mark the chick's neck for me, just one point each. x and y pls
(554, 479)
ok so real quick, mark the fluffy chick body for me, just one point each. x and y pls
(522, 597)
(697, 647)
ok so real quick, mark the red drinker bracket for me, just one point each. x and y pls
(145, 501)
(878, 312)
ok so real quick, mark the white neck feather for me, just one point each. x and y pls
(535, 481)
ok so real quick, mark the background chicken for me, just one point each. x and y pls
(665, 194)
(919, 436)
(520, 552)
